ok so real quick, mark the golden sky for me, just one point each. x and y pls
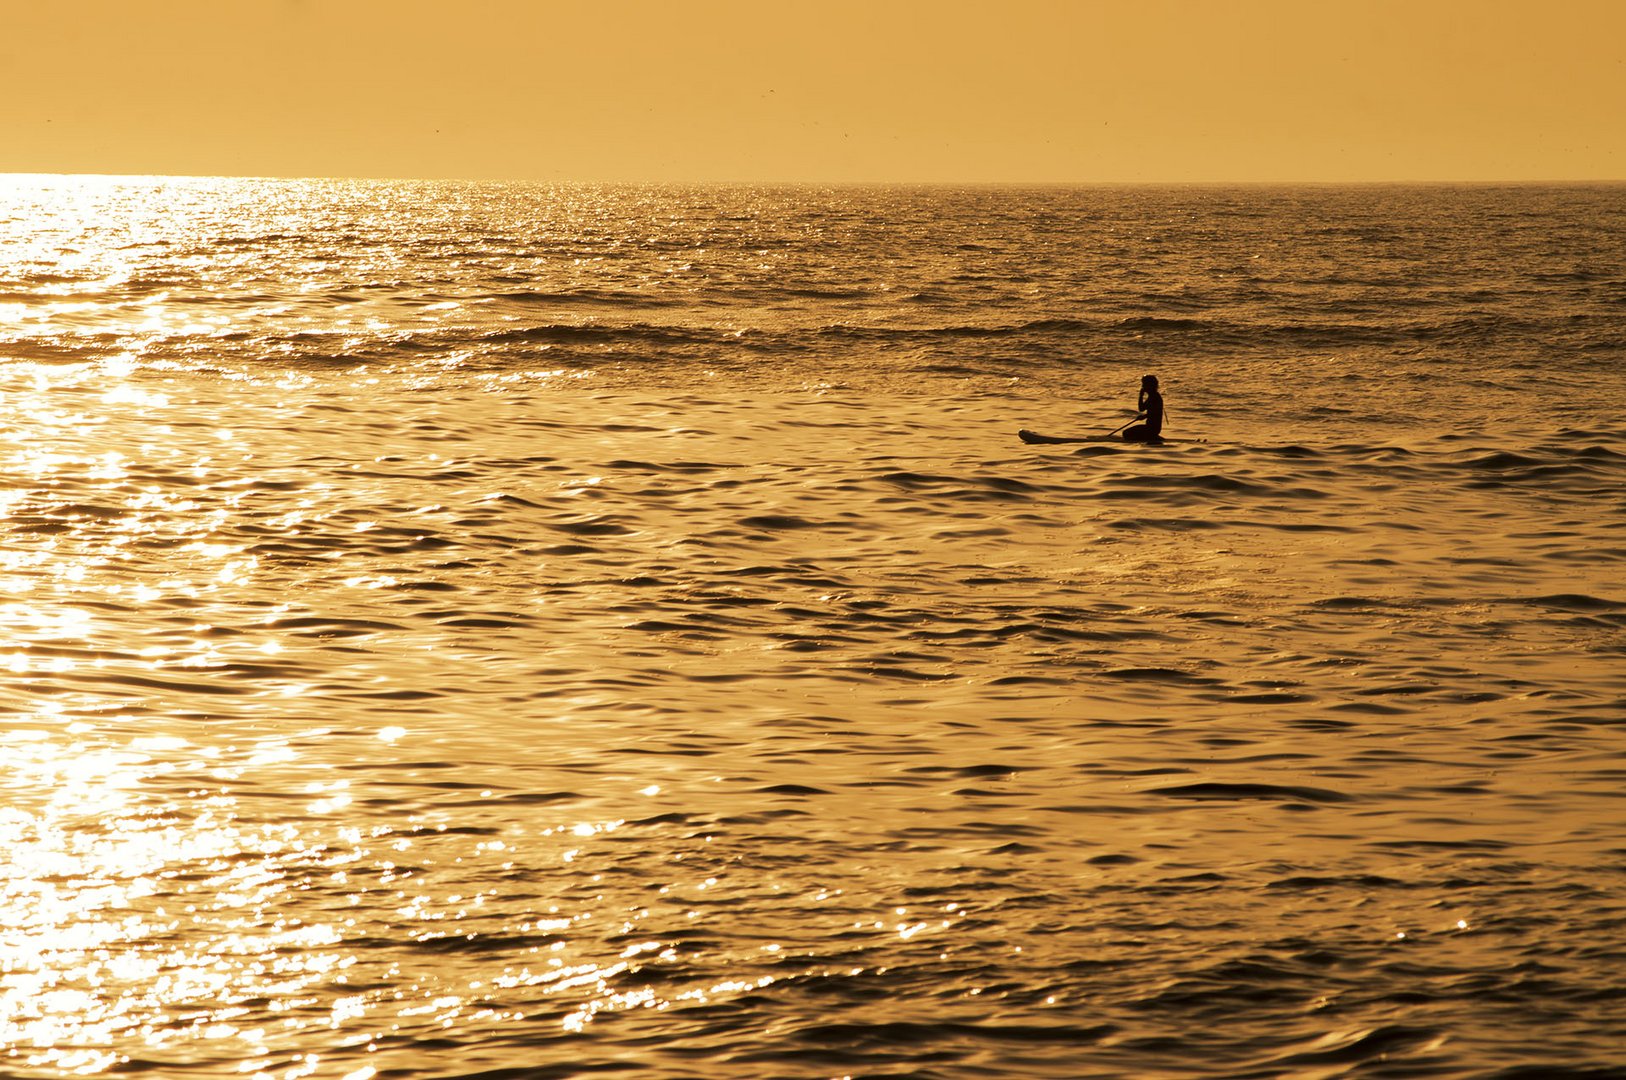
(840, 90)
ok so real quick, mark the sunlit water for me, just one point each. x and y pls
(459, 630)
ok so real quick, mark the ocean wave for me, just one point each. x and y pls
(603, 334)
(618, 298)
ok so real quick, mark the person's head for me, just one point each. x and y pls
(1148, 382)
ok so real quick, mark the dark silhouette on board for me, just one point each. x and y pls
(1150, 405)
(1149, 408)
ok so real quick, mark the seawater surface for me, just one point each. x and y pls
(481, 630)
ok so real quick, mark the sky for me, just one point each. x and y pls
(1000, 91)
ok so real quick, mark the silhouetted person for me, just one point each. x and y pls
(1151, 411)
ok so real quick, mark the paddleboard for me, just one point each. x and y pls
(1033, 438)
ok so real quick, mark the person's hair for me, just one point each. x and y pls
(1148, 380)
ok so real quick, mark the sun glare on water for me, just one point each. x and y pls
(142, 927)
(137, 909)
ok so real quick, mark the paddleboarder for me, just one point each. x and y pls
(1150, 407)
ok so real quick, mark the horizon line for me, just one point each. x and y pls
(853, 182)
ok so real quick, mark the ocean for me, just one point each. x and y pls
(481, 630)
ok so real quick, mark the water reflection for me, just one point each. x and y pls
(142, 921)
(158, 907)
